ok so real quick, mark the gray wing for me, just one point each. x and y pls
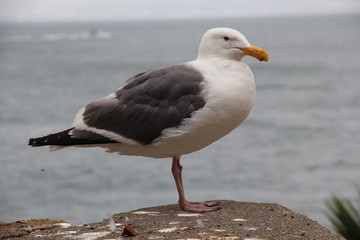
(148, 103)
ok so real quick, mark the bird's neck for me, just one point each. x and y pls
(222, 64)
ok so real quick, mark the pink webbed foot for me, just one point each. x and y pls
(199, 207)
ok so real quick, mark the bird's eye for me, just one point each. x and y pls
(226, 38)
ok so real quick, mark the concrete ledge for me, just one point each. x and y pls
(236, 220)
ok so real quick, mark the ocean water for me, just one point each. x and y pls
(299, 145)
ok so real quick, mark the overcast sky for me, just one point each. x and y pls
(94, 10)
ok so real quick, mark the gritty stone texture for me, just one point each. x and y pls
(236, 220)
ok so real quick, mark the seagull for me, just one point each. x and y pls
(172, 111)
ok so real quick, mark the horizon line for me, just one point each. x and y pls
(155, 19)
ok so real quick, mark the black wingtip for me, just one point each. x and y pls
(51, 139)
(34, 142)
(65, 138)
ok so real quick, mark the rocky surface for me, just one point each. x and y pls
(236, 220)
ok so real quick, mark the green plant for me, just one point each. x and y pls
(344, 217)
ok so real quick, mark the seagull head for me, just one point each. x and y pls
(229, 44)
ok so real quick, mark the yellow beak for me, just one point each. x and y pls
(256, 52)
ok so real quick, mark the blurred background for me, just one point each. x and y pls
(299, 145)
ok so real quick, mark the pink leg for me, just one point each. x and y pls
(176, 170)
